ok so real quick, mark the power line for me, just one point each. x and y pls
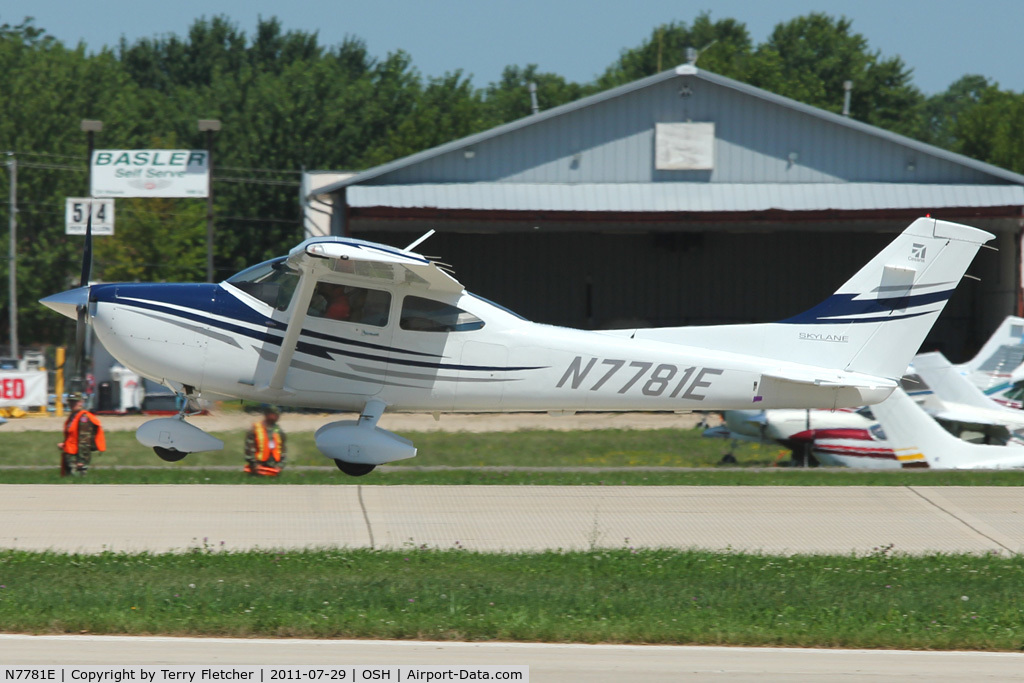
(47, 154)
(57, 167)
(243, 219)
(259, 170)
(257, 181)
(36, 210)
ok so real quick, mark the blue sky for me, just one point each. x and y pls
(940, 39)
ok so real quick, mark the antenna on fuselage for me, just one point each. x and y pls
(421, 240)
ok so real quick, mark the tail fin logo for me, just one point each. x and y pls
(917, 252)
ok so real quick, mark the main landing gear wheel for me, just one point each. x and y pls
(168, 454)
(354, 469)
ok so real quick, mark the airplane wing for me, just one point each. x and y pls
(969, 415)
(366, 259)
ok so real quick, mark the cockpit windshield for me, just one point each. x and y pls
(272, 282)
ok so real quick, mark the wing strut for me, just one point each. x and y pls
(303, 295)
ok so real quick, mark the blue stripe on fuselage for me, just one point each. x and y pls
(211, 298)
(839, 308)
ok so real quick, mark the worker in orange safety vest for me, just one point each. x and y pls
(83, 434)
(264, 446)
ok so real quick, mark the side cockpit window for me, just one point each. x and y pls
(272, 282)
(346, 303)
(427, 315)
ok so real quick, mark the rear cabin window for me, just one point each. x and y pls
(350, 304)
(427, 315)
(272, 282)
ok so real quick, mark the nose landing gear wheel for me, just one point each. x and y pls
(354, 469)
(169, 454)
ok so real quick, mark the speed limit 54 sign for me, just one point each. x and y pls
(76, 214)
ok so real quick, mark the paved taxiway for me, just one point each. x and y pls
(797, 519)
(562, 663)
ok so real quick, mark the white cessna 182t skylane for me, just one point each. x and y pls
(344, 324)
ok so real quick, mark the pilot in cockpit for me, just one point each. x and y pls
(330, 301)
(338, 305)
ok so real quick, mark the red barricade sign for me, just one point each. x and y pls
(22, 389)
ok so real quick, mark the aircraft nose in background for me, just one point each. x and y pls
(67, 303)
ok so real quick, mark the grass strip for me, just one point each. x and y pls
(694, 457)
(598, 448)
(390, 475)
(882, 600)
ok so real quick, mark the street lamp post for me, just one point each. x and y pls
(12, 272)
(209, 126)
(90, 127)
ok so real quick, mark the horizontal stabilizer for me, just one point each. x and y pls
(822, 392)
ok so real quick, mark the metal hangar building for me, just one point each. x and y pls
(685, 198)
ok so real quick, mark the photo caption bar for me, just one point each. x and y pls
(397, 673)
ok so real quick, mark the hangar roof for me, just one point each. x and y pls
(760, 138)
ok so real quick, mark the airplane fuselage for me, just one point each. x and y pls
(223, 342)
(342, 324)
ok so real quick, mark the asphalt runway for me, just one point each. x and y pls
(772, 519)
(547, 662)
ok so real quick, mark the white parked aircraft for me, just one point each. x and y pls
(837, 437)
(959, 400)
(915, 437)
(992, 367)
(344, 324)
(781, 426)
(957, 406)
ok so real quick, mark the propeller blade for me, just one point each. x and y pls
(87, 252)
(77, 381)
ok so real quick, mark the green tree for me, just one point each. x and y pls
(46, 90)
(942, 111)
(155, 240)
(447, 108)
(509, 98)
(992, 129)
(723, 46)
(809, 58)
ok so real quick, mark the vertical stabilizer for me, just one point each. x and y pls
(890, 305)
(999, 357)
(948, 384)
(874, 323)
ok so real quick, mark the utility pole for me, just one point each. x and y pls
(12, 265)
(209, 126)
